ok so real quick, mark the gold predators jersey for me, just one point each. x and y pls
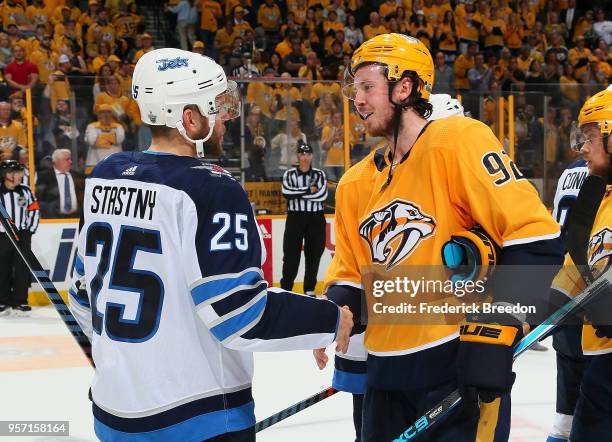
(352, 196)
(455, 176)
(570, 282)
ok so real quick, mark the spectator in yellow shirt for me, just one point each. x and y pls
(332, 23)
(261, 94)
(126, 24)
(65, 12)
(12, 132)
(45, 59)
(125, 77)
(13, 12)
(147, 46)
(89, 17)
(446, 33)
(58, 86)
(284, 47)
(420, 28)
(225, 36)
(513, 37)
(240, 24)
(300, 11)
(101, 29)
(494, 30)
(431, 13)
(210, 15)
(104, 52)
(579, 53)
(332, 143)
(463, 64)
(124, 109)
(374, 28)
(269, 16)
(388, 7)
(328, 85)
(38, 14)
(103, 137)
(65, 17)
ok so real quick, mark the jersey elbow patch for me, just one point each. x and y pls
(239, 322)
(231, 304)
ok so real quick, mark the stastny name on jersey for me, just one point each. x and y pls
(122, 200)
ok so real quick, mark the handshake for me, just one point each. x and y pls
(345, 325)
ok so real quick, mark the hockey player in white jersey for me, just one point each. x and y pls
(168, 281)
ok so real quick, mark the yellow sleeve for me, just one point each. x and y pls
(490, 189)
(569, 281)
(344, 266)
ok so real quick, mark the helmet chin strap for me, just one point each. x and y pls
(199, 144)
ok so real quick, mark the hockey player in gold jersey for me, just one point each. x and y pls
(589, 238)
(352, 195)
(437, 179)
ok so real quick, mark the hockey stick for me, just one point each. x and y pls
(49, 288)
(295, 408)
(444, 407)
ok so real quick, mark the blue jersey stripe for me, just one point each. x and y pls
(216, 287)
(242, 297)
(82, 300)
(202, 427)
(78, 266)
(236, 323)
(349, 382)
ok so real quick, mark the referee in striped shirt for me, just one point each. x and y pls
(305, 189)
(22, 207)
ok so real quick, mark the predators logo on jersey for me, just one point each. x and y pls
(394, 231)
(600, 249)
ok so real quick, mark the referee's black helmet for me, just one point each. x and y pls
(10, 166)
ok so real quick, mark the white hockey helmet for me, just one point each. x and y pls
(166, 80)
(444, 106)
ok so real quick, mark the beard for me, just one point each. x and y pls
(382, 128)
(212, 146)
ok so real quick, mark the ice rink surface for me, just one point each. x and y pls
(43, 376)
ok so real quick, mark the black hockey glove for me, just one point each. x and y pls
(599, 314)
(485, 356)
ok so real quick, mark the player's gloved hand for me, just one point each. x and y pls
(484, 362)
(599, 314)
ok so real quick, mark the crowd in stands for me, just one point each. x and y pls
(289, 57)
(482, 50)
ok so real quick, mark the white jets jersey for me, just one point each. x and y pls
(568, 187)
(169, 288)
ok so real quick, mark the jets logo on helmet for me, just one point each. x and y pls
(167, 80)
(172, 64)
